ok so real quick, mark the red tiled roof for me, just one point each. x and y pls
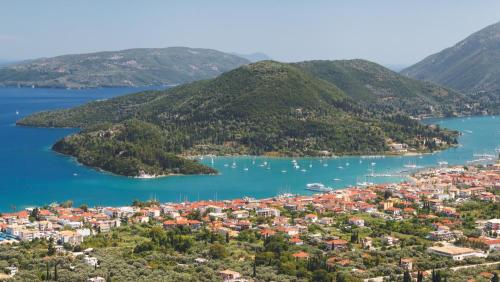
(301, 255)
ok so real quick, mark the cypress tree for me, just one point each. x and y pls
(407, 276)
(420, 277)
(254, 273)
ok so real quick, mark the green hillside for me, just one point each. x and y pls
(133, 67)
(262, 108)
(471, 66)
(377, 87)
(131, 148)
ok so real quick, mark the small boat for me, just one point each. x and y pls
(410, 165)
(310, 165)
(303, 170)
(337, 179)
(346, 164)
(364, 184)
(325, 165)
(341, 167)
(442, 163)
(226, 165)
(318, 187)
(75, 174)
(245, 169)
(483, 155)
(283, 171)
(17, 113)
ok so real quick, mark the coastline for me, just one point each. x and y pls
(410, 177)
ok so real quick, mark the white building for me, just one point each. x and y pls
(456, 253)
(268, 212)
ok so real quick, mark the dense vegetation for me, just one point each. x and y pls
(471, 66)
(263, 108)
(133, 67)
(133, 148)
(148, 252)
(379, 88)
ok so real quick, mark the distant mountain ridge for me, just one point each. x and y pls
(254, 57)
(262, 108)
(132, 67)
(471, 66)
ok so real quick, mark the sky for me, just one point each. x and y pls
(390, 32)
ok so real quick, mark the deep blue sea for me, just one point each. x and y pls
(31, 174)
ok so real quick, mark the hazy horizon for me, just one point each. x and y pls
(389, 32)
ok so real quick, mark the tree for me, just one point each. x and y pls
(217, 251)
(47, 275)
(56, 277)
(320, 275)
(67, 204)
(407, 276)
(387, 194)
(495, 277)
(254, 268)
(420, 276)
(354, 236)
(34, 215)
(436, 276)
(51, 250)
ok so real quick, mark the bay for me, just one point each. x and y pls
(31, 174)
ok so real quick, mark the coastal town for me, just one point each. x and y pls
(442, 222)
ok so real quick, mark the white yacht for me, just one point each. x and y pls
(442, 163)
(318, 187)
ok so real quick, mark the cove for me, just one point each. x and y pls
(31, 174)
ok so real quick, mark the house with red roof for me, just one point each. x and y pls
(337, 244)
(301, 255)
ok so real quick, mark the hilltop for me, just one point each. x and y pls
(262, 108)
(132, 67)
(376, 87)
(471, 66)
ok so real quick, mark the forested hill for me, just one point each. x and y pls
(133, 67)
(471, 66)
(377, 87)
(262, 108)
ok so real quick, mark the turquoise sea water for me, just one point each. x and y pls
(31, 174)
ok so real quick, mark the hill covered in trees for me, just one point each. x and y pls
(132, 67)
(378, 88)
(471, 66)
(262, 108)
